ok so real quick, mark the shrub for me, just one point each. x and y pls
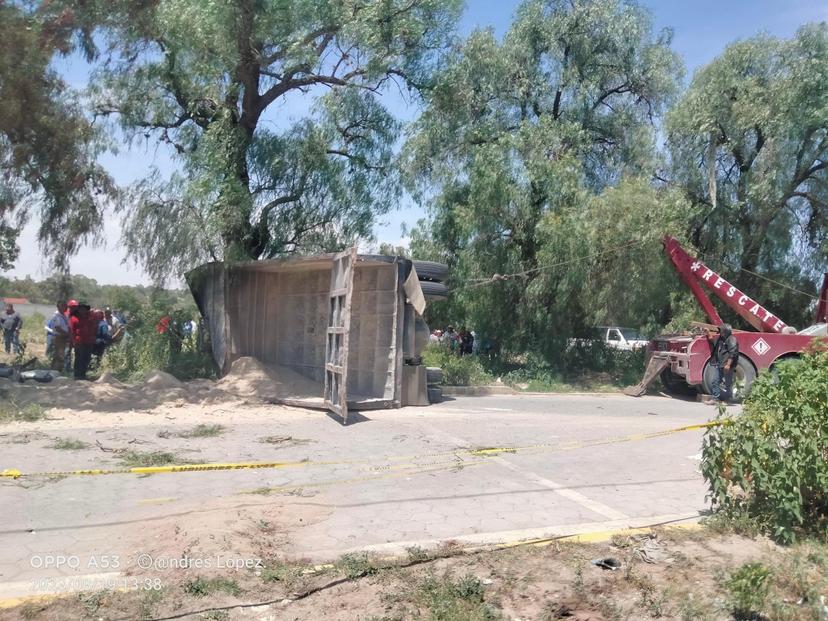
(769, 464)
(578, 362)
(461, 599)
(145, 348)
(11, 410)
(748, 588)
(457, 370)
(622, 366)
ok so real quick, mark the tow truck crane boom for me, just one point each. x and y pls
(693, 271)
(821, 315)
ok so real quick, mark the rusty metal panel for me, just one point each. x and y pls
(207, 284)
(337, 333)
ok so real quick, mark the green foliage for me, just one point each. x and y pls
(11, 410)
(749, 145)
(68, 444)
(356, 565)
(202, 587)
(139, 459)
(447, 599)
(583, 362)
(144, 348)
(768, 464)
(517, 139)
(48, 147)
(219, 84)
(748, 588)
(128, 299)
(289, 574)
(457, 370)
(202, 431)
(31, 334)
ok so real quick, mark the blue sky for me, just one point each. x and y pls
(702, 28)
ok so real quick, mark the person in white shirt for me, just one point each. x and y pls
(58, 329)
(116, 328)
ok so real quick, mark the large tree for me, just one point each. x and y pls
(517, 135)
(749, 143)
(48, 147)
(273, 111)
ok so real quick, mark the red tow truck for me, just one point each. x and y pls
(683, 361)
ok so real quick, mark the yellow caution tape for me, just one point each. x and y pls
(14, 473)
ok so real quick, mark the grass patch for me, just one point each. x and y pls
(68, 444)
(150, 598)
(416, 554)
(284, 440)
(457, 370)
(459, 600)
(11, 411)
(139, 459)
(356, 565)
(199, 431)
(290, 575)
(32, 610)
(202, 587)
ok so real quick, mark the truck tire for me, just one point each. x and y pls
(434, 375)
(435, 394)
(774, 369)
(675, 384)
(434, 290)
(431, 270)
(743, 377)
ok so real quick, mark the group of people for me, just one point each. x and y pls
(463, 342)
(78, 330)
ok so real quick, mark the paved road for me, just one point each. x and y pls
(400, 478)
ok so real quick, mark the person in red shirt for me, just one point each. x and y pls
(84, 328)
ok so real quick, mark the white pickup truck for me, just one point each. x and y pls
(616, 337)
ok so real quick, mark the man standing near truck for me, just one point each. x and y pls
(58, 329)
(11, 324)
(725, 355)
(84, 329)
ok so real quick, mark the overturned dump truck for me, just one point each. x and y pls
(337, 332)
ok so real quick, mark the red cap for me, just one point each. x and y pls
(72, 303)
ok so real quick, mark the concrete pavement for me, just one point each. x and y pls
(397, 479)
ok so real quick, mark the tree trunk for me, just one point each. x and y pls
(242, 241)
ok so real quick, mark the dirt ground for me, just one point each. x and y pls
(667, 574)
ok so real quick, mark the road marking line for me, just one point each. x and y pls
(570, 494)
(593, 505)
(156, 501)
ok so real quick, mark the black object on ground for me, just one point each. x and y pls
(607, 563)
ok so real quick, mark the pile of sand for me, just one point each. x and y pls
(159, 380)
(249, 377)
(109, 378)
